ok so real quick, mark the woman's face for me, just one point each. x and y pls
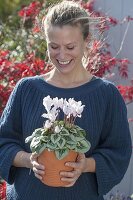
(66, 47)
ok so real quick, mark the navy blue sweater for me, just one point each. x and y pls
(104, 119)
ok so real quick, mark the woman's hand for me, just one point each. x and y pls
(78, 168)
(37, 168)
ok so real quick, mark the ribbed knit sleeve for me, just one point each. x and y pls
(10, 134)
(114, 150)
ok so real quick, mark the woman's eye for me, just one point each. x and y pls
(53, 47)
(70, 48)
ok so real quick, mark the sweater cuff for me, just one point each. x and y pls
(8, 171)
(104, 182)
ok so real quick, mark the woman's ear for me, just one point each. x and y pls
(87, 40)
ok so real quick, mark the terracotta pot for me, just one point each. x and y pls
(53, 167)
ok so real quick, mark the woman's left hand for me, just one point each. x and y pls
(78, 168)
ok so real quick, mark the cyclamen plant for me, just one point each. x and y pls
(60, 136)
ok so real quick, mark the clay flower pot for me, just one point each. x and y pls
(53, 167)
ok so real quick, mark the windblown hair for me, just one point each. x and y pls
(67, 13)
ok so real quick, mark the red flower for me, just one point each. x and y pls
(127, 92)
(3, 191)
(30, 11)
(113, 21)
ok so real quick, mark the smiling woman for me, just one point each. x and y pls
(67, 36)
(104, 118)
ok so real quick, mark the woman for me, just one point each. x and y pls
(104, 118)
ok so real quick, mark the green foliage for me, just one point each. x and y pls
(8, 7)
(72, 138)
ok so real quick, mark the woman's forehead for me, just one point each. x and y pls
(66, 32)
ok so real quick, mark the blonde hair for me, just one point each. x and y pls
(67, 13)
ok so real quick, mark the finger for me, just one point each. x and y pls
(39, 172)
(74, 165)
(38, 176)
(70, 180)
(34, 156)
(70, 174)
(37, 165)
(70, 185)
(67, 174)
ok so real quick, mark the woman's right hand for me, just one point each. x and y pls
(37, 168)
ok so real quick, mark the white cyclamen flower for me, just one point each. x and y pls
(75, 107)
(50, 115)
(66, 110)
(57, 129)
(47, 102)
(48, 124)
(56, 102)
(79, 110)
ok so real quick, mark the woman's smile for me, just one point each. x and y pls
(64, 64)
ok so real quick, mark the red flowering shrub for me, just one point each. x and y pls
(30, 11)
(2, 190)
(11, 72)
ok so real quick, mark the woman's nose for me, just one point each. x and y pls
(62, 54)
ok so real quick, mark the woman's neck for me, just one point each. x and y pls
(58, 79)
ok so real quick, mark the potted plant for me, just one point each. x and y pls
(58, 141)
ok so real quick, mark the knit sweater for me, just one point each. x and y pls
(104, 118)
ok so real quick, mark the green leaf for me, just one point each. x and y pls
(73, 130)
(85, 143)
(44, 138)
(61, 123)
(55, 138)
(51, 145)
(37, 132)
(71, 142)
(78, 138)
(83, 146)
(71, 146)
(81, 150)
(29, 139)
(44, 132)
(35, 141)
(82, 133)
(41, 148)
(64, 132)
(61, 143)
(61, 153)
(33, 149)
(71, 139)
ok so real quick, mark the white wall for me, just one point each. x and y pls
(120, 9)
